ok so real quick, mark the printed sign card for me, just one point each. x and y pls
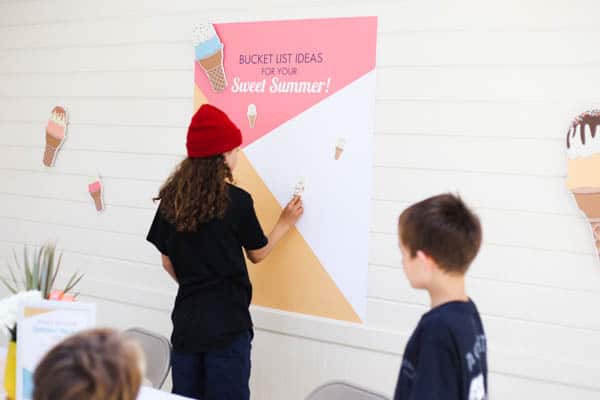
(41, 325)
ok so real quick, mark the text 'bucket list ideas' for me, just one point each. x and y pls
(281, 64)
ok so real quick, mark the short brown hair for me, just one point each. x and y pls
(98, 364)
(444, 228)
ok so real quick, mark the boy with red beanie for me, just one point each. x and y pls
(202, 228)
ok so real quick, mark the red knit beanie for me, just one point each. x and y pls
(211, 133)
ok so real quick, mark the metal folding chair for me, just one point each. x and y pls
(343, 391)
(157, 350)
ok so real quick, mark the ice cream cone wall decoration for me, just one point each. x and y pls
(95, 190)
(251, 114)
(583, 180)
(56, 132)
(209, 54)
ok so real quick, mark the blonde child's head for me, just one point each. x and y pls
(98, 364)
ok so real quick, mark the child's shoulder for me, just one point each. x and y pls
(446, 317)
(240, 197)
(238, 191)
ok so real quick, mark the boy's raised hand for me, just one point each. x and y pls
(292, 212)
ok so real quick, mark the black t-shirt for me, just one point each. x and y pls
(211, 307)
(446, 356)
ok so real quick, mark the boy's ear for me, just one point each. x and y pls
(425, 258)
(421, 255)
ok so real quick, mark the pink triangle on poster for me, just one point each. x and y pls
(320, 56)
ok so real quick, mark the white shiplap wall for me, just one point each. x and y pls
(473, 96)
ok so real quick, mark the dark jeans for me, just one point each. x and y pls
(216, 374)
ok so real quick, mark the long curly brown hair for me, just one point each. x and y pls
(195, 193)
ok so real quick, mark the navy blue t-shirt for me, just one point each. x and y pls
(446, 356)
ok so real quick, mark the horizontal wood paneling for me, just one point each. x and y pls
(472, 97)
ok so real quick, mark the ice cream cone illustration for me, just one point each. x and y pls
(300, 187)
(583, 152)
(209, 54)
(251, 114)
(56, 131)
(95, 190)
(339, 147)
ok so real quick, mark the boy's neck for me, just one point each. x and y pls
(447, 288)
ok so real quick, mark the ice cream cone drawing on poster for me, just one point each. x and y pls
(339, 147)
(583, 180)
(251, 114)
(209, 54)
(56, 132)
(95, 189)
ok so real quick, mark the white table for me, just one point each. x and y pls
(147, 393)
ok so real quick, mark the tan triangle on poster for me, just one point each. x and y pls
(29, 312)
(199, 98)
(291, 278)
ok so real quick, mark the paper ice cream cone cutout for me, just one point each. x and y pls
(583, 179)
(251, 114)
(95, 190)
(209, 54)
(56, 132)
(300, 187)
(339, 147)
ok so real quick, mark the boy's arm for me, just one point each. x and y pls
(438, 372)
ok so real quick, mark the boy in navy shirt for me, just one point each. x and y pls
(446, 356)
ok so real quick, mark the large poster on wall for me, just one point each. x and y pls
(303, 94)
